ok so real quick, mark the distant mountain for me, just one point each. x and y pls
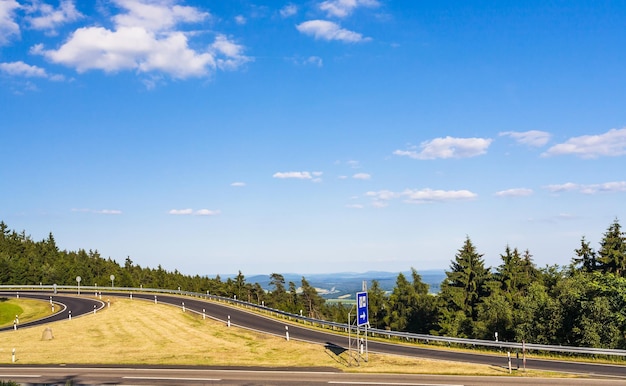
(346, 284)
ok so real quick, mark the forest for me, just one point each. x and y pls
(581, 304)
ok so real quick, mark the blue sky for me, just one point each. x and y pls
(315, 136)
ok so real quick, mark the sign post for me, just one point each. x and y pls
(362, 320)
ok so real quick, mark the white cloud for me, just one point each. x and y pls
(207, 212)
(231, 56)
(327, 30)
(448, 147)
(343, 8)
(296, 175)
(238, 184)
(361, 176)
(419, 196)
(98, 211)
(610, 144)
(22, 69)
(8, 27)
(190, 212)
(354, 206)
(181, 211)
(42, 16)
(516, 192)
(533, 138)
(431, 195)
(288, 10)
(145, 40)
(156, 15)
(240, 19)
(312, 176)
(108, 211)
(607, 187)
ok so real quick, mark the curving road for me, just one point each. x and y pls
(242, 318)
(336, 343)
(63, 302)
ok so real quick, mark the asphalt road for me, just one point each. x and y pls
(203, 376)
(64, 302)
(335, 343)
(242, 318)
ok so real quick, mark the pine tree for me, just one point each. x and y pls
(612, 253)
(586, 257)
(462, 290)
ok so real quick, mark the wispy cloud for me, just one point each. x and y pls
(42, 16)
(238, 184)
(98, 211)
(448, 147)
(420, 196)
(610, 144)
(362, 176)
(21, 69)
(607, 187)
(190, 212)
(327, 30)
(298, 175)
(515, 192)
(288, 10)
(8, 26)
(534, 138)
(343, 8)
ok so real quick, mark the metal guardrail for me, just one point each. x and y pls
(334, 325)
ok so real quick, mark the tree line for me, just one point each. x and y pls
(581, 304)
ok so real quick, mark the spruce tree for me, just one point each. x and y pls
(462, 290)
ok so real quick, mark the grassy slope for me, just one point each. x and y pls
(26, 309)
(139, 332)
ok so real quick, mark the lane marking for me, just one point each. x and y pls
(175, 379)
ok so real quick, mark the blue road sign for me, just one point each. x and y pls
(361, 308)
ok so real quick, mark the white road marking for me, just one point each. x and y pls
(175, 379)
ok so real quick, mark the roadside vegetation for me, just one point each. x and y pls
(582, 304)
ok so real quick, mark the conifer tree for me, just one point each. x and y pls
(612, 253)
(462, 290)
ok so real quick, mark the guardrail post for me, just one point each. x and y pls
(183, 306)
(287, 333)
(70, 313)
(228, 323)
(203, 314)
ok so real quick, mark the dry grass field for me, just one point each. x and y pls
(139, 332)
(29, 309)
